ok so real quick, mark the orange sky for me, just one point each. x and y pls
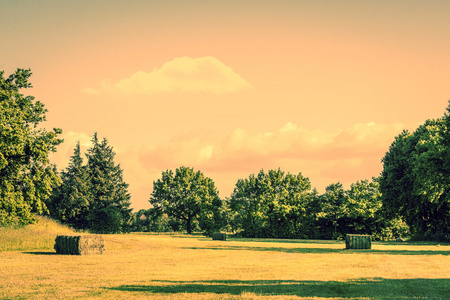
(231, 87)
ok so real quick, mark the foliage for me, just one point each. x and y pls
(356, 211)
(389, 229)
(109, 210)
(273, 204)
(27, 176)
(415, 181)
(93, 196)
(70, 202)
(231, 221)
(279, 205)
(331, 211)
(362, 207)
(151, 220)
(187, 196)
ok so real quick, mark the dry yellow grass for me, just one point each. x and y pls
(138, 266)
(35, 236)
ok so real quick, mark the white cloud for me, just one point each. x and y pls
(183, 74)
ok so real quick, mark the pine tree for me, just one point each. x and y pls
(70, 203)
(109, 210)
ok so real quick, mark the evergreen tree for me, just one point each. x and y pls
(70, 202)
(93, 196)
(109, 210)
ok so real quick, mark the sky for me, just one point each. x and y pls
(229, 88)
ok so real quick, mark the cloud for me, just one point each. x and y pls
(183, 74)
(194, 148)
(332, 152)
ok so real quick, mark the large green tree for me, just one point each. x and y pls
(93, 196)
(415, 181)
(26, 175)
(188, 196)
(109, 208)
(273, 204)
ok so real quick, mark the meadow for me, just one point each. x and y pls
(177, 266)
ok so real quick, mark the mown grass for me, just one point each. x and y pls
(137, 266)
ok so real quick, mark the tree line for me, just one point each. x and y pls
(272, 204)
(411, 195)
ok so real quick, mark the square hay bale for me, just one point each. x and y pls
(219, 236)
(358, 241)
(79, 244)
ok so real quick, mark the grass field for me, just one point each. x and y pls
(137, 266)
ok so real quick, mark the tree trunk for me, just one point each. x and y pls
(358, 241)
(188, 225)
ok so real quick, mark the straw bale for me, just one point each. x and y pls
(219, 236)
(358, 241)
(79, 244)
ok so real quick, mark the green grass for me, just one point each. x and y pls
(137, 266)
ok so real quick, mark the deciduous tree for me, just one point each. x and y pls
(273, 204)
(26, 175)
(332, 208)
(362, 207)
(415, 181)
(187, 196)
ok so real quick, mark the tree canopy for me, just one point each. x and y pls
(93, 196)
(273, 204)
(188, 196)
(415, 180)
(26, 175)
(356, 210)
(70, 202)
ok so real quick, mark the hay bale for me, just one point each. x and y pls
(219, 236)
(79, 244)
(358, 241)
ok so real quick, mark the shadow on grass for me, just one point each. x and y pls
(40, 252)
(377, 288)
(325, 250)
